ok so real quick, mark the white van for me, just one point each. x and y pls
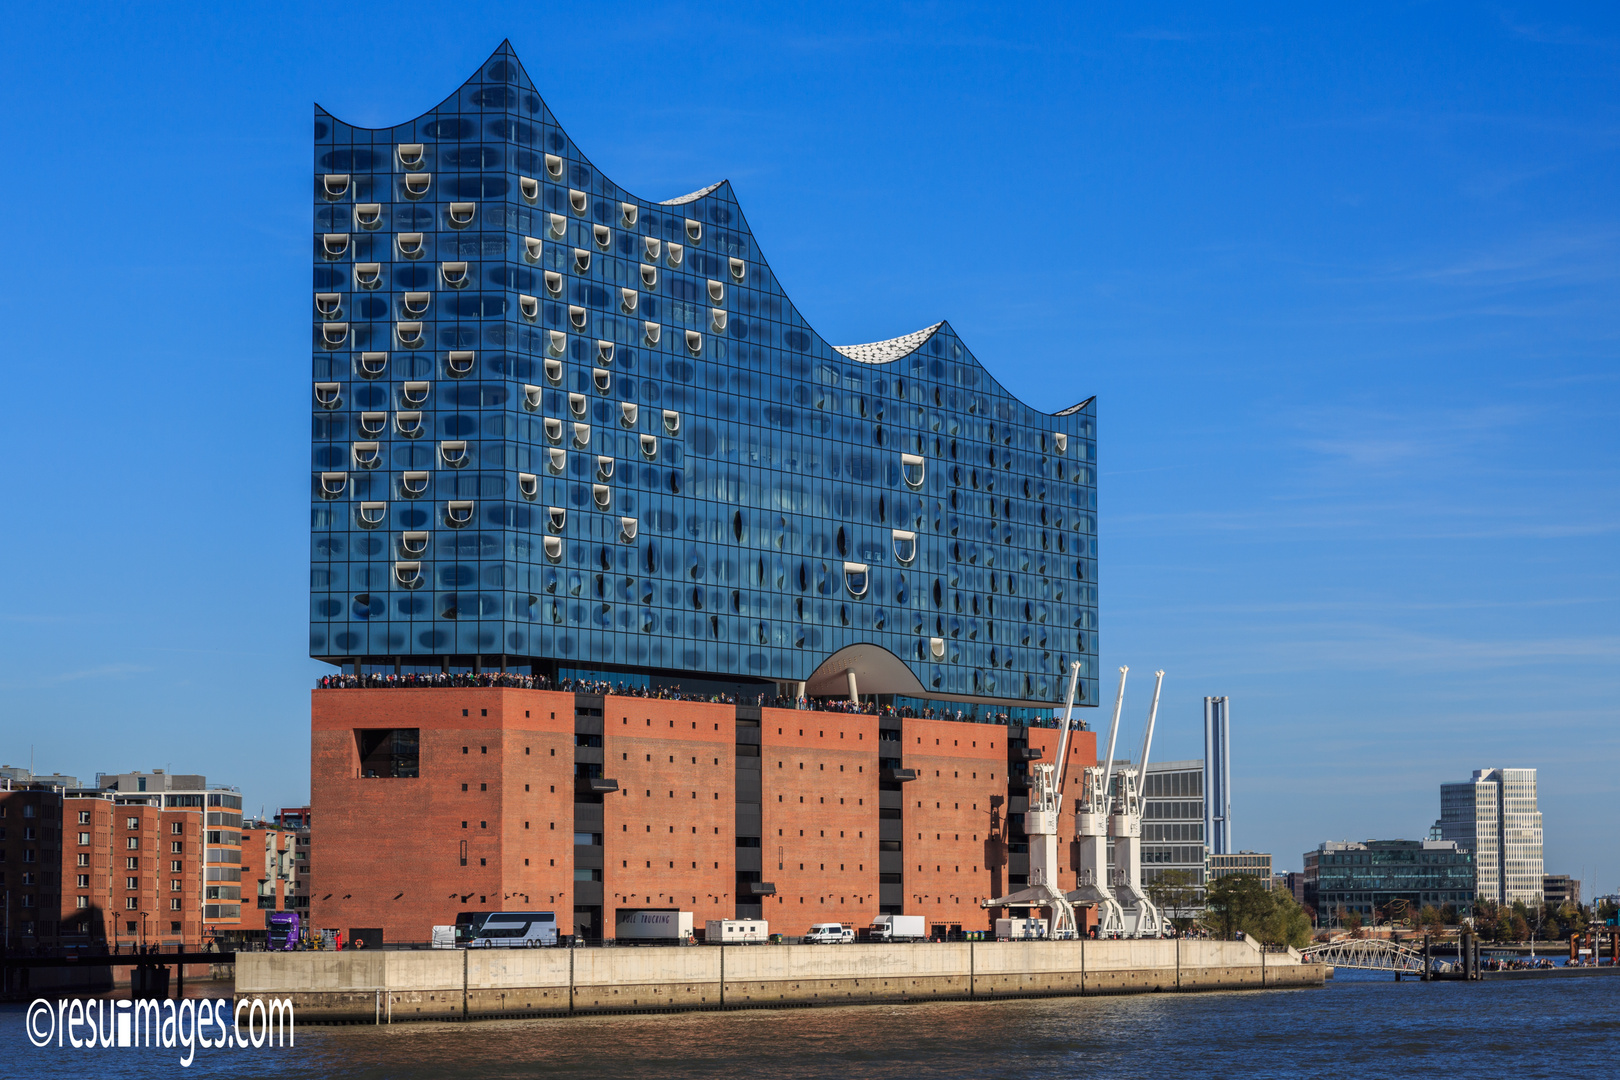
(829, 933)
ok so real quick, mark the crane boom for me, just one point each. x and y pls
(1153, 714)
(1113, 732)
(1068, 718)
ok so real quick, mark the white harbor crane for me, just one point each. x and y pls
(1091, 824)
(1142, 918)
(1041, 825)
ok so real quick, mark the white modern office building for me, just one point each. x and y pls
(1494, 815)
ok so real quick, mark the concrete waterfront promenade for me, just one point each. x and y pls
(393, 987)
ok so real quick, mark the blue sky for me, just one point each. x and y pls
(1345, 286)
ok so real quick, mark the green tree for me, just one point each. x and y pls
(1288, 923)
(1241, 902)
(1175, 892)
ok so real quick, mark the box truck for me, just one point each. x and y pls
(1020, 929)
(897, 928)
(736, 932)
(653, 925)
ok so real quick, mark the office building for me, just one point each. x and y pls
(1254, 863)
(1387, 879)
(565, 436)
(1173, 820)
(1218, 775)
(1494, 815)
(1560, 889)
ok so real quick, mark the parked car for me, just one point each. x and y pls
(829, 933)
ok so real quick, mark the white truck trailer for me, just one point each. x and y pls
(1020, 929)
(897, 928)
(736, 932)
(653, 925)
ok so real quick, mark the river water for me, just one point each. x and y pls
(1357, 1026)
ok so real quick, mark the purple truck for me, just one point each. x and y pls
(281, 931)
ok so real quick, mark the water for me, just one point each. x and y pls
(1360, 1027)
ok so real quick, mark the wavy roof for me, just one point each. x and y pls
(503, 94)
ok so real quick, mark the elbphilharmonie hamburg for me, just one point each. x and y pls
(580, 443)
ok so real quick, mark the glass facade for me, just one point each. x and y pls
(1368, 878)
(1495, 816)
(555, 424)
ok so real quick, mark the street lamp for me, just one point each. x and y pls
(143, 931)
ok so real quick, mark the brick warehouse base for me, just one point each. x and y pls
(394, 987)
(431, 801)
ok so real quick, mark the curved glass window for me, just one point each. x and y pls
(912, 469)
(856, 578)
(905, 546)
(372, 514)
(458, 513)
(414, 484)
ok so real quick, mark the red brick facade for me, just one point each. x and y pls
(490, 822)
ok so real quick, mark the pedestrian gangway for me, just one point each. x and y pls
(1369, 954)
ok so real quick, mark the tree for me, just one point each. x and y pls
(1241, 902)
(1288, 924)
(1236, 902)
(1175, 893)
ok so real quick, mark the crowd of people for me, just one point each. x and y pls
(513, 680)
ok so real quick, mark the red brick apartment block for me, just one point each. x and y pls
(30, 864)
(431, 801)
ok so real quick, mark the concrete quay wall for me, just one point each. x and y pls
(393, 987)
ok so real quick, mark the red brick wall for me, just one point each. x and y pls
(819, 786)
(950, 858)
(387, 852)
(669, 835)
